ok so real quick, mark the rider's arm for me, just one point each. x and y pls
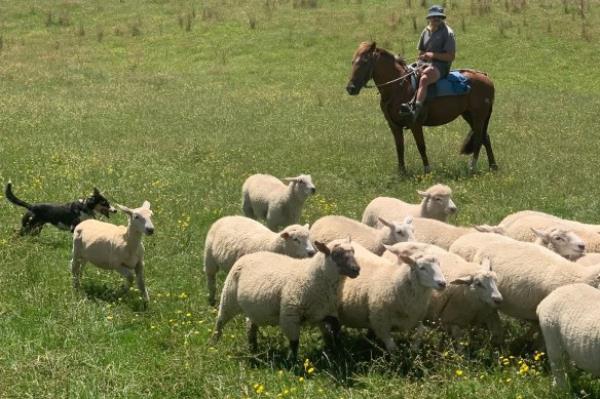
(447, 57)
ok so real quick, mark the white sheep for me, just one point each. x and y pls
(274, 289)
(436, 204)
(231, 237)
(518, 226)
(570, 322)
(442, 234)
(266, 197)
(471, 298)
(526, 272)
(562, 241)
(113, 247)
(333, 227)
(590, 259)
(389, 295)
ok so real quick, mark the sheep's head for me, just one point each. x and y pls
(564, 242)
(426, 267)
(483, 284)
(302, 185)
(297, 242)
(398, 232)
(341, 253)
(437, 202)
(140, 218)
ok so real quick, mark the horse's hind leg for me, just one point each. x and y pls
(417, 131)
(488, 144)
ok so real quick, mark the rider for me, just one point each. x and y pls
(436, 49)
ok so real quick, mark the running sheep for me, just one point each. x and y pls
(471, 298)
(519, 226)
(527, 273)
(231, 237)
(389, 295)
(113, 247)
(436, 204)
(570, 322)
(266, 197)
(333, 227)
(274, 289)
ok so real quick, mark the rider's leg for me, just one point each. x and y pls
(429, 75)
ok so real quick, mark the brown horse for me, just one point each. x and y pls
(392, 78)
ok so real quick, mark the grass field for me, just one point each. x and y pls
(177, 102)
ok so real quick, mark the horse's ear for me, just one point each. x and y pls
(373, 46)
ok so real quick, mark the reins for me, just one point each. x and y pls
(399, 79)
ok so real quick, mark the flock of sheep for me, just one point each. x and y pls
(401, 266)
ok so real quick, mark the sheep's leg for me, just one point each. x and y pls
(556, 356)
(290, 325)
(330, 328)
(247, 206)
(252, 334)
(494, 325)
(272, 219)
(418, 338)
(383, 332)
(76, 267)
(139, 276)
(128, 276)
(210, 270)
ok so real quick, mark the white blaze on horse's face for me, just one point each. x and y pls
(140, 218)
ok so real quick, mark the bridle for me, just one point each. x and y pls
(371, 68)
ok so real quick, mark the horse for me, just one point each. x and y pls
(391, 75)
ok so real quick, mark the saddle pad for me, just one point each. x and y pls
(455, 84)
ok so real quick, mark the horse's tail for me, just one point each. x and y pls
(468, 146)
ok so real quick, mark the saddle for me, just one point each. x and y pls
(455, 84)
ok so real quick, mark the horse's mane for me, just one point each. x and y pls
(364, 46)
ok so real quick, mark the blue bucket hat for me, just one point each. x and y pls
(436, 11)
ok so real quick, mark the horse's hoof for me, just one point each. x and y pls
(402, 170)
(493, 168)
(427, 169)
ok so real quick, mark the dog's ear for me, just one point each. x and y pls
(96, 192)
(124, 209)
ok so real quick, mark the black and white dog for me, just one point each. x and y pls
(62, 216)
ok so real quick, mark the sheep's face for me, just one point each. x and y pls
(399, 232)
(484, 286)
(438, 200)
(140, 218)
(427, 269)
(297, 241)
(302, 185)
(564, 242)
(341, 253)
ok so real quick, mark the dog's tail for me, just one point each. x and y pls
(11, 197)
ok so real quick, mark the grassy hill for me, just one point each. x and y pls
(177, 102)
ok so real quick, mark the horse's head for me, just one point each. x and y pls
(363, 63)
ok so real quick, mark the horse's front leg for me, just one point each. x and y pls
(417, 131)
(398, 133)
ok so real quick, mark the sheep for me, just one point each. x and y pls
(266, 197)
(113, 247)
(274, 289)
(332, 227)
(590, 259)
(389, 295)
(442, 234)
(436, 204)
(564, 242)
(570, 322)
(471, 297)
(233, 236)
(527, 273)
(519, 225)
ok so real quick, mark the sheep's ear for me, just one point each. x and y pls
(146, 205)
(285, 235)
(408, 220)
(290, 179)
(385, 222)
(541, 234)
(124, 209)
(322, 248)
(486, 264)
(423, 194)
(306, 226)
(466, 280)
(407, 259)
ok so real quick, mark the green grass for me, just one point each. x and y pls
(178, 102)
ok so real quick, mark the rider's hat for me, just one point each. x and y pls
(436, 11)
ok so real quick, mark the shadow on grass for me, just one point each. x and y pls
(103, 292)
